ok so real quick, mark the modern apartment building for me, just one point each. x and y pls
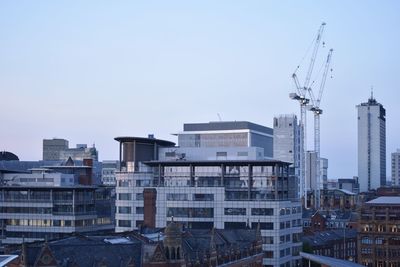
(225, 194)
(396, 167)
(379, 232)
(45, 204)
(371, 145)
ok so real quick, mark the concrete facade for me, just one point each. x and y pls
(371, 145)
(396, 167)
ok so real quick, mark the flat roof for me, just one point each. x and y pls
(217, 162)
(226, 125)
(385, 200)
(328, 261)
(129, 139)
(49, 187)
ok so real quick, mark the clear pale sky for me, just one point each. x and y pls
(89, 71)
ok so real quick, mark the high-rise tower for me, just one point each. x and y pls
(371, 145)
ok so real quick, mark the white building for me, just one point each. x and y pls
(311, 171)
(371, 145)
(224, 194)
(396, 167)
(287, 139)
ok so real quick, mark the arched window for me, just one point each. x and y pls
(167, 253)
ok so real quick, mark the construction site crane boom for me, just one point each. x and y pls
(303, 100)
(314, 55)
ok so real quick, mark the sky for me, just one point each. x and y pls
(89, 71)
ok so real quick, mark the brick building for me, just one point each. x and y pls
(379, 232)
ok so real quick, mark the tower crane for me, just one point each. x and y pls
(303, 101)
(315, 108)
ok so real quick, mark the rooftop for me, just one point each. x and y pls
(328, 261)
(385, 200)
(226, 126)
(129, 139)
(217, 163)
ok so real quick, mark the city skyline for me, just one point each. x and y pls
(71, 70)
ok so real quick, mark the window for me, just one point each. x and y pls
(124, 223)
(203, 197)
(262, 211)
(124, 196)
(263, 225)
(235, 211)
(124, 210)
(139, 210)
(269, 254)
(177, 197)
(222, 154)
(268, 239)
(235, 225)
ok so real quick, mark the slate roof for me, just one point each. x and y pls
(197, 242)
(90, 251)
(330, 215)
(327, 237)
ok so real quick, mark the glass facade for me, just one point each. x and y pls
(52, 211)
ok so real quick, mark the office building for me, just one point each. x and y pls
(287, 139)
(286, 144)
(396, 167)
(53, 147)
(379, 232)
(224, 194)
(348, 184)
(224, 140)
(311, 171)
(44, 204)
(58, 150)
(324, 172)
(371, 145)
(109, 167)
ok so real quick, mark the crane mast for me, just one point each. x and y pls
(317, 130)
(303, 101)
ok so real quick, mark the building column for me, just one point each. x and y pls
(249, 180)
(120, 156)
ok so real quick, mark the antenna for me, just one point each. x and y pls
(372, 92)
(219, 117)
